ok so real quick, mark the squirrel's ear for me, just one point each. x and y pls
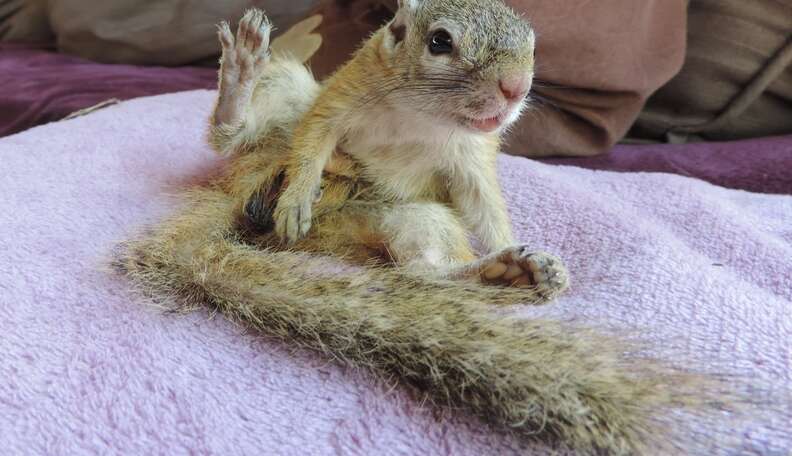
(403, 19)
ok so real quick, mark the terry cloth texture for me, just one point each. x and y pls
(87, 368)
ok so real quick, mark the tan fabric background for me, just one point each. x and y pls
(731, 46)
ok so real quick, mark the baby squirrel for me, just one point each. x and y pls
(392, 156)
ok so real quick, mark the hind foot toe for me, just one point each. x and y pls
(522, 268)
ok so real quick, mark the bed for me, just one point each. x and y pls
(689, 245)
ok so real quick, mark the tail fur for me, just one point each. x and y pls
(542, 379)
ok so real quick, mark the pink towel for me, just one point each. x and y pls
(87, 368)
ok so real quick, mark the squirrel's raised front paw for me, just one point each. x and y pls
(519, 267)
(245, 55)
(292, 217)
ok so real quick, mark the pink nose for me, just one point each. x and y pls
(515, 87)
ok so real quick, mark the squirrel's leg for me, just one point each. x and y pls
(477, 197)
(255, 93)
(312, 147)
(424, 237)
(429, 238)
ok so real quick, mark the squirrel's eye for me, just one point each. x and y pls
(440, 43)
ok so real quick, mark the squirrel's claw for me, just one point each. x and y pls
(292, 221)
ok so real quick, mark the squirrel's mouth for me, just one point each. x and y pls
(486, 124)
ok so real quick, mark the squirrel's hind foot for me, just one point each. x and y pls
(243, 59)
(245, 54)
(519, 267)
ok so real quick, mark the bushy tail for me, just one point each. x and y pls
(543, 379)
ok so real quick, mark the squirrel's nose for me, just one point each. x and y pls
(515, 87)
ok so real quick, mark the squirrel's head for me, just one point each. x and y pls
(466, 62)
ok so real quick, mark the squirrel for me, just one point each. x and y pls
(413, 122)
(392, 159)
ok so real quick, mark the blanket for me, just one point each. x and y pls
(88, 367)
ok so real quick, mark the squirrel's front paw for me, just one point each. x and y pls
(519, 267)
(292, 217)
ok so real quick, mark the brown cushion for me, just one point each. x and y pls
(162, 32)
(25, 21)
(597, 61)
(737, 77)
